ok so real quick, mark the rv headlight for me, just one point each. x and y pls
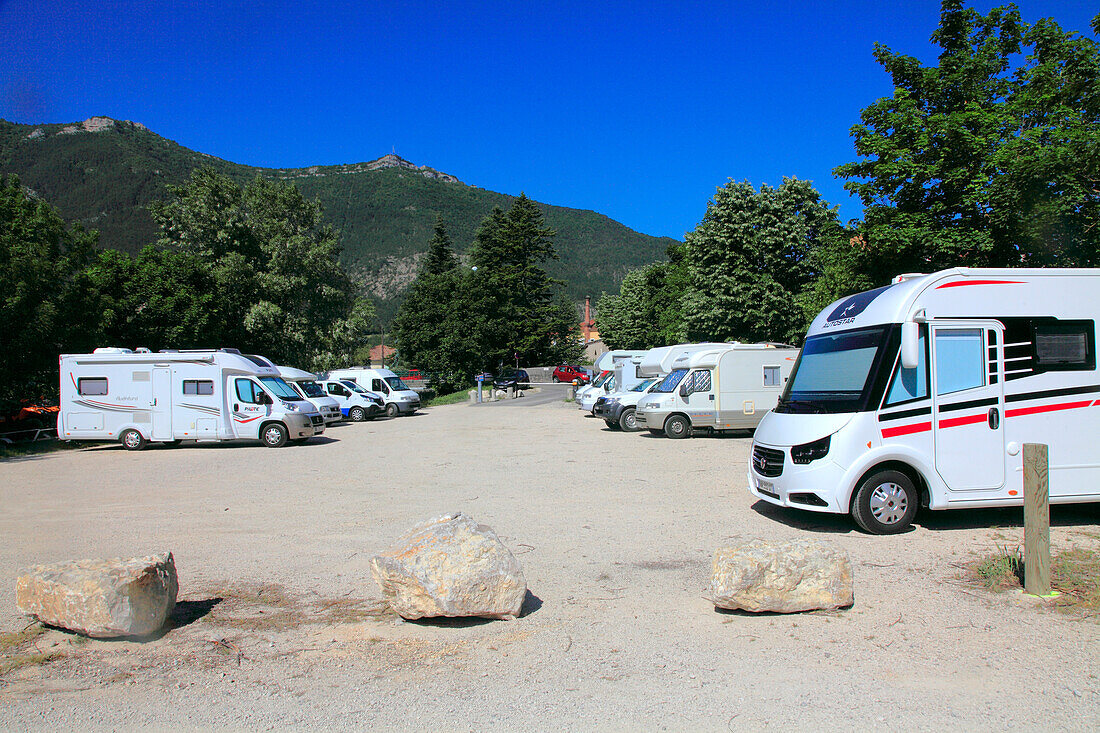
(810, 452)
(290, 407)
(612, 400)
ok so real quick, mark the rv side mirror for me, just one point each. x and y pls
(684, 392)
(910, 355)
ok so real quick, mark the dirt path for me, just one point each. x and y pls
(280, 623)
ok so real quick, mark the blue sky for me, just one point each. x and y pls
(637, 110)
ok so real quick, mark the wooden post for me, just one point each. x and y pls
(1036, 520)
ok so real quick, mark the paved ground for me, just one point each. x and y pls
(281, 625)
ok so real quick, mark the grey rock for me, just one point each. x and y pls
(101, 598)
(785, 577)
(450, 566)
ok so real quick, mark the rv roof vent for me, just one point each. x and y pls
(142, 350)
(230, 351)
(908, 276)
(111, 350)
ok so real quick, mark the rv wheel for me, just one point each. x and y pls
(627, 421)
(357, 414)
(391, 410)
(885, 503)
(274, 435)
(132, 440)
(677, 426)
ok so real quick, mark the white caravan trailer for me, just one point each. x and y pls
(305, 384)
(117, 394)
(399, 399)
(721, 387)
(924, 391)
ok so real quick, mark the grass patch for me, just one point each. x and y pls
(272, 608)
(1074, 573)
(19, 450)
(449, 399)
(18, 650)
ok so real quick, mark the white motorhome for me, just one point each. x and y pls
(305, 384)
(399, 399)
(604, 381)
(617, 409)
(356, 403)
(716, 387)
(924, 391)
(170, 396)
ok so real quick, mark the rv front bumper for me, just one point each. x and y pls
(301, 425)
(608, 410)
(331, 415)
(774, 478)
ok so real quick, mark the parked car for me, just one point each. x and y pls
(566, 373)
(510, 378)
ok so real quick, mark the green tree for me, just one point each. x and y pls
(278, 286)
(647, 310)
(990, 158)
(40, 258)
(749, 259)
(440, 257)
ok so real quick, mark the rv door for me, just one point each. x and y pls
(162, 405)
(968, 404)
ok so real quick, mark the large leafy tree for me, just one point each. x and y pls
(646, 312)
(277, 283)
(989, 158)
(40, 293)
(749, 259)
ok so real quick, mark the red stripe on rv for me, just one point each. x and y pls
(918, 427)
(1047, 408)
(968, 420)
(964, 283)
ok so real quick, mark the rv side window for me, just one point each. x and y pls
(910, 384)
(377, 385)
(336, 389)
(1065, 345)
(198, 386)
(247, 391)
(702, 381)
(771, 376)
(960, 360)
(91, 385)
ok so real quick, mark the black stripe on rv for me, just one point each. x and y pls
(1087, 389)
(901, 415)
(967, 405)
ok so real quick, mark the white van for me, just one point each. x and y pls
(356, 403)
(604, 380)
(617, 408)
(399, 399)
(923, 392)
(305, 384)
(725, 387)
(203, 395)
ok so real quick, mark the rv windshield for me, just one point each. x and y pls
(602, 378)
(669, 382)
(643, 385)
(281, 389)
(395, 383)
(353, 386)
(312, 389)
(834, 372)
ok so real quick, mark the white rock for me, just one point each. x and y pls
(450, 566)
(101, 598)
(786, 577)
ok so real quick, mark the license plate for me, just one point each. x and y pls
(765, 486)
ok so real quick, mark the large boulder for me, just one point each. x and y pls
(101, 598)
(450, 566)
(785, 577)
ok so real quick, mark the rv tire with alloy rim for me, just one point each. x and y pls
(132, 439)
(274, 435)
(357, 414)
(391, 410)
(627, 421)
(677, 426)
(885, 503)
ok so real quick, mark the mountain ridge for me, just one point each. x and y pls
(104, 172)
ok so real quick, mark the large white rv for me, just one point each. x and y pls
(924, 391)
(715, 388)
(137, 397)
(603, 380)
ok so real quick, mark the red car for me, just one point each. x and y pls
(566, 373)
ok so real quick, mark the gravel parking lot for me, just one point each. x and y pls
(280, 623)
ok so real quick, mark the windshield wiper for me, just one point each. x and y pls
(811, 407)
